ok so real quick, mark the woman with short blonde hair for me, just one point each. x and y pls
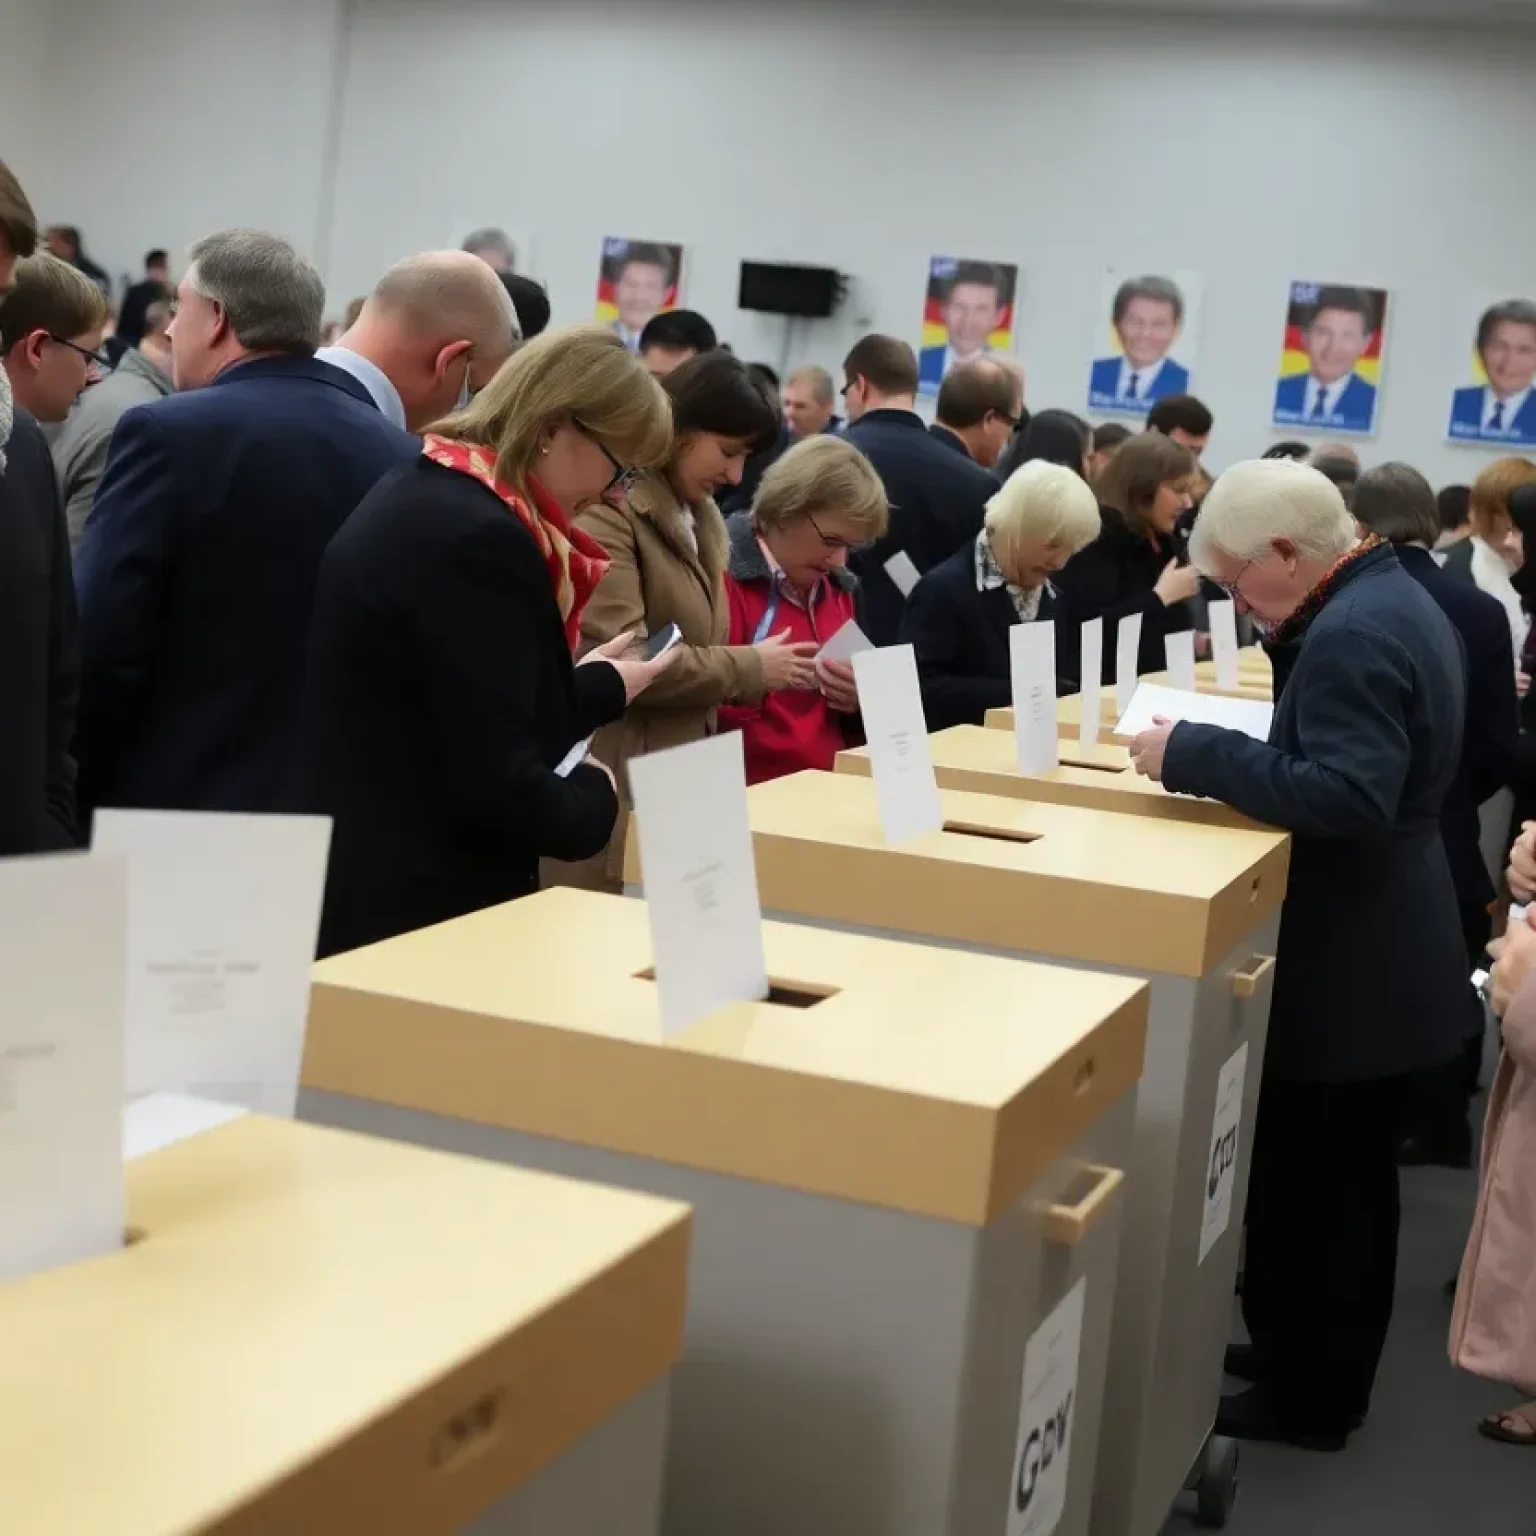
(959, 615)
(1496, 552)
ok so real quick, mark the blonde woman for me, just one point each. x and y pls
(1495, 554)
(788, 574)
(441, 697)
(959, 615)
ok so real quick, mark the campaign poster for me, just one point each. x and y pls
(1144, 340)
(968, 312)
(637, 280)
(1494, 401)
(1330, 358)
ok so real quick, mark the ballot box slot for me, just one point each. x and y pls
(994, 834)
(787, 994)
(1096, 767)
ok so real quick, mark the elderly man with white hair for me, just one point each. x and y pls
(1370, 985)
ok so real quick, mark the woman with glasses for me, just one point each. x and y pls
(442, 705)
(789, 573)
(960, 615)
(666, 541)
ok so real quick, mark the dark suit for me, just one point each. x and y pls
(39, 651)
(960, 637)
(196, 572)
(938, 499)
(1171, 378)
(1353, 411)
(440, 696)
(1467, 419)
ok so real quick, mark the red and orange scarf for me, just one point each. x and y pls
(1294, 627)
(575, 560)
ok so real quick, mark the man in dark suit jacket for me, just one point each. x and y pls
(197, 566)
(938, 497)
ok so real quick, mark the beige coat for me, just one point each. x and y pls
(1493, 1331)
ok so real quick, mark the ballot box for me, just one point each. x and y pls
(310, 1331)
(1250, 685)
(970, 757)
(1069, 722)
(1193, 909)
(906, 1170)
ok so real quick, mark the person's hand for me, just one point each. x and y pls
(835, 679)
(639, 674)
(1521, 873)
(1522, 681)
(1202, 645)
(1177, 584)
(787, 663)
(1514, 954)
(1148, 749)
(612, 650)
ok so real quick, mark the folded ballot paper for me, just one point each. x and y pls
(1152, 701)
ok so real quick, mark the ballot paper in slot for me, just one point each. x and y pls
(1179, 650)
(900, 759)
(1127, 657)
(1223, 620)
(1032, 655)
(1154, 701)
(1090, 699)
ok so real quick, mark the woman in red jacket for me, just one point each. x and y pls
(788, 575)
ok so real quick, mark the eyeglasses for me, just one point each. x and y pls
(1230, 587)
(624, 477)
(94, 358)
(853, 547)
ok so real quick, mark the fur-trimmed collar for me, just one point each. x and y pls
(704, 543)
(749, 564)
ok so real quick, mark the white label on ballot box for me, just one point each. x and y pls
(1092, 675)
(223, 913)
(1179, 649)
(1127, 653)
(1221, 1165)
(699, 878)
(891, 704)
(1047, 1410)
(1223, 617)
(1032, 652)
(63, 947)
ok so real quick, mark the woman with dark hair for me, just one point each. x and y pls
(1058, 437)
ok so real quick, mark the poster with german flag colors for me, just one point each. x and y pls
(967, 313)
(1330, 362)
(636, 281)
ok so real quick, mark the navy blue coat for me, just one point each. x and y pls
(1371, 979)
(938, 498)
(196, 573)
(960, 637)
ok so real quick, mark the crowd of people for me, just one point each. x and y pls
(402, 575)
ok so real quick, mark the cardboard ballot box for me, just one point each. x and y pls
(1195, 910)
(1069, 720)
(905, 1168)
(969, 757)
(315, 1332)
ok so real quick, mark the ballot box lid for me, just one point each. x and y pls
(1069, 719)
(1146, 894)
(880, 1072)
(311, 1330)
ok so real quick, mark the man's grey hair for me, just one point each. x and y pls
(273, 297)
(819, 380)
(1161, 290)
(157, 317)
(1261, 500)
(490, 241)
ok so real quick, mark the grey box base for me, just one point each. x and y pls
(849, 1371)
(607, 1484)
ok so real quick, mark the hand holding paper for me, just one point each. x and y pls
(1153, 701)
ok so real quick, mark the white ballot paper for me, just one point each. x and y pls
(1032, 652)
(1179, 648)
(846, 644)
(699, 878)
(1250, 716)
(897, 732)
(1127, 650)
(161, 1119)
(1223, 616)
(901, 570)
(223, 913)
(1092, 674)
(63, 943)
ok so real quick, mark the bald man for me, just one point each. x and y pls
(432, 333)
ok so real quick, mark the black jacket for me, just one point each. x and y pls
(39, 651)
(1114, 577)
(440, 697)
(938, 498)
(1371, 979)
(960, 636)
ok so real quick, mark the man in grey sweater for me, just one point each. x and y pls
(81, 444)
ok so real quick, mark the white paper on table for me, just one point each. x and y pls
(161, 1119)
(1092, 674)
(901, 570)
(1047, 1418)
(63, 962)
(223, 914)
(1179, 649)
(1223, 616)
(891, 705)
(1221, 1164)
(846, 644)
(1127, 652)
(573, 759)
(1032, 658)
(699, 877)
(1250, 716)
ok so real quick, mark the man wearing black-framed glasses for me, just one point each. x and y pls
(51, 323)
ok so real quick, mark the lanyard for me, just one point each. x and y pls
(770, 613)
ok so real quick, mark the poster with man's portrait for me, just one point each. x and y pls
(967, 313)
(1144, 345)
(1495, 401)
(638, 279)
(1330, 358)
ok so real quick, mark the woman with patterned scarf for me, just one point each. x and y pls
(442, 705)
(1371, 974)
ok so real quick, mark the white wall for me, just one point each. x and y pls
(25, 139)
